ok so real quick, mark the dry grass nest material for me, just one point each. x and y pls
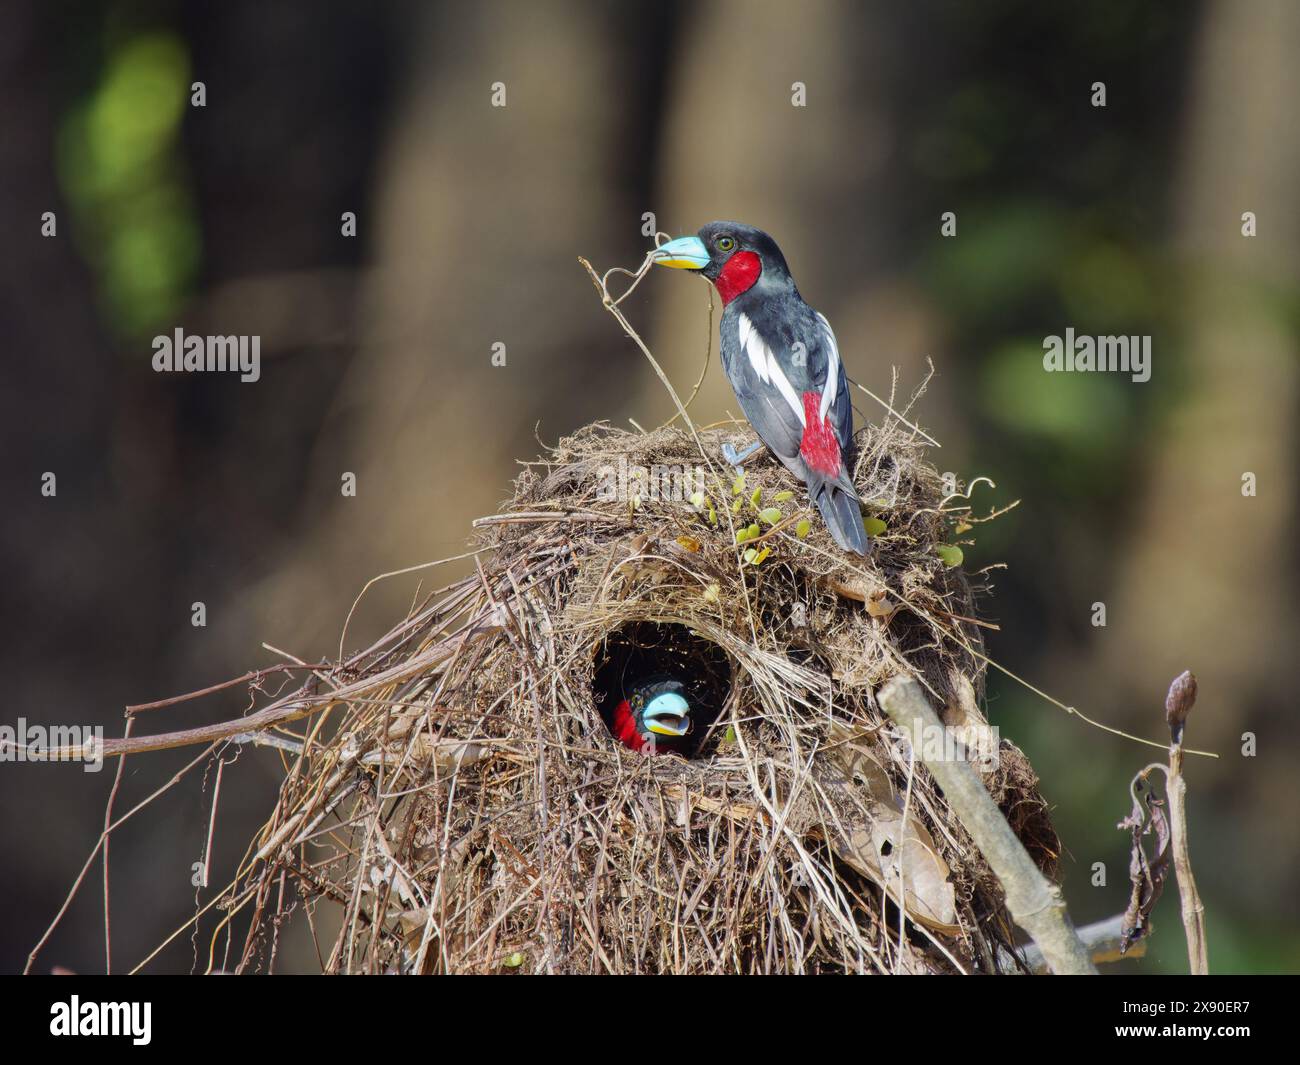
(460, 805)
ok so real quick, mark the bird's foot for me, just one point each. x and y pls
(737, 458)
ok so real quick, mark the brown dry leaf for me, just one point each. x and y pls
(872, 837)
(412, 922)
(879, 604)
(1147, 875)
(860, 586)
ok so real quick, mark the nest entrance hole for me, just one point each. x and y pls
(640, 649)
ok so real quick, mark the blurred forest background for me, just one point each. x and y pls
(377, 354)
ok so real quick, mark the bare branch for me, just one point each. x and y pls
(1035, 904)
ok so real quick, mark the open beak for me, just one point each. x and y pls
(668, 715)
(684, 253)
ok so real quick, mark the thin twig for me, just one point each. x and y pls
(911, 425)
(1178, 704)
(94, 851)
(526, 517)
(251, 677)
(704, 369)
(108, 822)
(212, 820)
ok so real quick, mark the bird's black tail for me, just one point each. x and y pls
(842, 513)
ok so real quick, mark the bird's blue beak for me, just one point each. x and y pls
(684, 253)
(668, 714)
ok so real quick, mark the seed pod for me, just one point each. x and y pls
(1178, 703)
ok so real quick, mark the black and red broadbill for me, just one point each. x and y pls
(783, 363)
(655, 717)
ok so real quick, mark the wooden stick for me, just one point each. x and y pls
(523, 516)
(1033, 901)
(282, 712)
(1102, 938)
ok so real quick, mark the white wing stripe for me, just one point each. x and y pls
(765, 365)
(832, 366)
(754, 347)
(783, 383)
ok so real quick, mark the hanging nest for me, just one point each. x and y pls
(463, 807)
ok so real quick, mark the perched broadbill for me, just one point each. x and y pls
(654, 716)
(784, 366)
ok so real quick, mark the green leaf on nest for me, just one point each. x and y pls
(949, 554)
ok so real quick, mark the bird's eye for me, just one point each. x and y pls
(726, 243)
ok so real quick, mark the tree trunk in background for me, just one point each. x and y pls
(1208, 580)
(480, 215)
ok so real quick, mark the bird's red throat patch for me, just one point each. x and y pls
(820, 448)
(624, 727)
(738, 275)
(625, 730)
